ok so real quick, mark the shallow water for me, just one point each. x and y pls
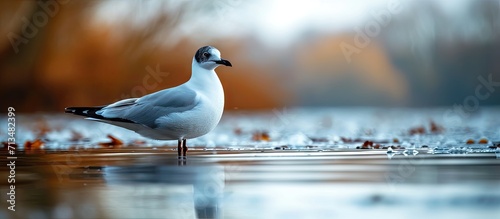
(302, 171)
(130, 183)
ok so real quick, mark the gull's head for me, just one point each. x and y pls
(208, 57)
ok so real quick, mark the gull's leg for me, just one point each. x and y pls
(179, 148)
(184, 148)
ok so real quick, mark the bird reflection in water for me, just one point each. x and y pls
(207, 184)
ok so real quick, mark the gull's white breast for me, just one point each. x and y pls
(203, 118)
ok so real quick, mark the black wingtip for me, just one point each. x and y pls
(83, 111)
(91, 112)
(69, 110)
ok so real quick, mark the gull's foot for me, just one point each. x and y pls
(179, 148)
(181, 152)
(181, 161)
(184, 148)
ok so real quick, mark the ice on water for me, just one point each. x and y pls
(300, 128)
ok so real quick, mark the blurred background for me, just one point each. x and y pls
(415, 53)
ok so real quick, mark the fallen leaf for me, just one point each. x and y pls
(435, 128)
(115, 142)
(261, 136)
(470, 141)
(417, 130)
(367, 145)
(238, 131)
(35, 145)
(483, 141)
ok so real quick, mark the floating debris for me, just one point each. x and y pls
(417, 130)
(483, 141)
(35, 146)
(261, 136)
(435, 128)
(470, 141)
(366, 145)
(420, 130)
(237, 131)
(283, 147)
(115, 142)
(390, 150)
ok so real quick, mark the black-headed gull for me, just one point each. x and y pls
(187, 111)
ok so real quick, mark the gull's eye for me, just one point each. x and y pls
(206, 54)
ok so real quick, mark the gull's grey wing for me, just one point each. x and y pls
(146, 110)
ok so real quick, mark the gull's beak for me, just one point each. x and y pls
(224, 62)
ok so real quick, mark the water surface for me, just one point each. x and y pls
(306, 165)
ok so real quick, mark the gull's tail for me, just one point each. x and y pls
(91, 112)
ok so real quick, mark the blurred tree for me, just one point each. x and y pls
(78, 58)
(444, 54)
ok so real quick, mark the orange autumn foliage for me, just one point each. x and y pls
(74, 61)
